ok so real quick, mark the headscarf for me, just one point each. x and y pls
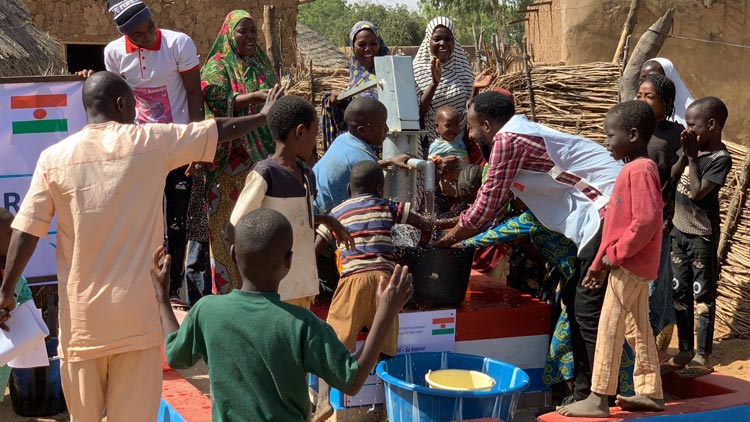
(332, 120)
(358, 74)
(682, 98)
(225, 75)
(457, 80)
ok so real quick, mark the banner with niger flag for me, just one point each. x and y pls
(33, 116)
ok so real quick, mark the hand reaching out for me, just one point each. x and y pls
(273, 94)
(484, 79)
(394, 293)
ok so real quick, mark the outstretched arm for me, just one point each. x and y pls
(233, 128)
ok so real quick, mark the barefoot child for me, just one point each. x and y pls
(369, 219)
(630, 245)
(283, 182)
(447, 122)
(259, 348)
(702, 170)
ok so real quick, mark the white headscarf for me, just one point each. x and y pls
(457, 80)
(682, 98)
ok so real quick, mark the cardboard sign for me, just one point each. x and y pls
(431, 331)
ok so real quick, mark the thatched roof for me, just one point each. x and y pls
(24, 49)
(315, 47)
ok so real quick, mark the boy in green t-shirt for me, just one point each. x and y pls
(259, 348)
(22, 292)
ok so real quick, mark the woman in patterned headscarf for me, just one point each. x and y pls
(443, 74)
(235, 80)
(365, 44)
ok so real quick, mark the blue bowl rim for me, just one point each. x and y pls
(523, 381)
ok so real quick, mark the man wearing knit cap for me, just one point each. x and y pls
(163, 68)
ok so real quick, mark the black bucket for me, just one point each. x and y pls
(440, 276)
(38, 392)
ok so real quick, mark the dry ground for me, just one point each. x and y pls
(731, 356)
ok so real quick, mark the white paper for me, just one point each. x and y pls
(23, 343)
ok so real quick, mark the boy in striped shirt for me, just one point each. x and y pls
(368, 217)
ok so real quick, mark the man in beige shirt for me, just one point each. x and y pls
(105, 184)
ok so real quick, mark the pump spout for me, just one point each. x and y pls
(427, 168)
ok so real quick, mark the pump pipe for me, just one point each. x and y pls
(427, 168)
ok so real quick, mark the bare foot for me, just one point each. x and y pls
(594, 406)
(640, 402)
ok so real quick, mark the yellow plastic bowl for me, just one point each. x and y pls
(459, 380)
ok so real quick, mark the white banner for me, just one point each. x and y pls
(34, 116)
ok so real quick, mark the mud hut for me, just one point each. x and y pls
(585, 31)
(84, 27)
(24, 49)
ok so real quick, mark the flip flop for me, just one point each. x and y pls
(694, 371)
(668, 367)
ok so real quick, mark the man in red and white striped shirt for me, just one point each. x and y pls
(522, 164)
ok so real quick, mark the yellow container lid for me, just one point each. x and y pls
(459, 380)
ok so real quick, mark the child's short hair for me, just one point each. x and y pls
(665, 89)
(262, 236)
(712, 108)
(635, 114)
(445, 110)
(494, 106)
(366, 177)
(362, 108)
(287, 113)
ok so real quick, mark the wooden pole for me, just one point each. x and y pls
(312, 83)
(269, 32)
(527, 67)
(627, 29)
(499, 60)
(647, 48)
(735, 206)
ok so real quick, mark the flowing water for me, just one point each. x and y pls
(429, 205)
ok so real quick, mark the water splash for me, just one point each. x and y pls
(405, 236)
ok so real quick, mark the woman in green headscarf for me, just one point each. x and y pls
(235, 80)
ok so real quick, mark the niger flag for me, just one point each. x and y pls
(443, 326)
(35, 120)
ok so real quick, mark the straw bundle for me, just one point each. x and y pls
(733, 303)
(323, 79)
(572, 99)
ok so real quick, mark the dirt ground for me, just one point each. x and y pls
(731, 356)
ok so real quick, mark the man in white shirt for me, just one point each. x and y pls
(163, 68)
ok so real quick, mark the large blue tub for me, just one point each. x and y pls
(409, 399)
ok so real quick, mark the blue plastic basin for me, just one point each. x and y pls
(409, 399)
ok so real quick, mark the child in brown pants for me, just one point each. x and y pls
(631, 241)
